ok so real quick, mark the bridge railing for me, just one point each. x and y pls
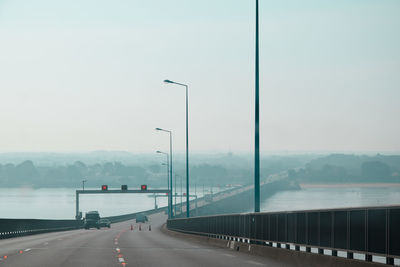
(20, 227)
(366, 230)
(131, 216)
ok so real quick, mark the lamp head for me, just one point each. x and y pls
(168, 81)
(158, 151)
(158, 129)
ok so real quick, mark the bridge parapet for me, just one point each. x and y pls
(20, 227)
(372, 231)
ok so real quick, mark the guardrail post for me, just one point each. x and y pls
(389, 261)
(350, 255)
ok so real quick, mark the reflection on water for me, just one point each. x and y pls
(322, 198)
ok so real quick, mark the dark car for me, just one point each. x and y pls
(104, 223)
(141, 218)
(91, 220)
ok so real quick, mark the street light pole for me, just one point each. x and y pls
(170, 168)
(168, 172)
(83, 184)
(257, 126)
(175, 195)
(187, 146)
(181, 194)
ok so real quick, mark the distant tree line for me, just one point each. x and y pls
(113, 173)
(225, 170)
(335, 168)
(339, 168)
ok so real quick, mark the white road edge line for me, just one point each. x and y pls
(27, 249)
(121, 259)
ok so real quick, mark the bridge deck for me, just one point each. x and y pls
(136, 248)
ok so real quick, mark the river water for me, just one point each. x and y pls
(328, 197)
(59, 203)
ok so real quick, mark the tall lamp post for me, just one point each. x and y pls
(187, 147)
(170, 169)
(169, 207)
(257, 126)
(83, 184)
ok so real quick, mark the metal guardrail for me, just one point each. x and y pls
(367, 230)
(21, 227)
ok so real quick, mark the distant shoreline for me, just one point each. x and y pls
(303, 186)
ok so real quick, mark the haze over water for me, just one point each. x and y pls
(59, 203)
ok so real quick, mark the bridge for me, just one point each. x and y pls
(334, 237)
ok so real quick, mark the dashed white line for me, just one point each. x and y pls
(229, 255)
(121, 259)
(255, 263)
(27, 249)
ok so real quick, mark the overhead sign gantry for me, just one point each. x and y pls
(123, 190)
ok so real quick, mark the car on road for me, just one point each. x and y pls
(104, 223)
(141, 218)
(91, 219)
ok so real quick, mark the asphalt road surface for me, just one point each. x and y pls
(119, 246)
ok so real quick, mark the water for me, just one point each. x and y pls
(59, 203)
(322, 198)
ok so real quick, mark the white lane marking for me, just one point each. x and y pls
(229, 255)
(255, 263)
(121, 259)
(45, 243)
(27, 249)
(115, 243)
(117, 249)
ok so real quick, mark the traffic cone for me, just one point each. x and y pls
(140, 227)
(149, 227)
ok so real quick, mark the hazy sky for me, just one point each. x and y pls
(83, 75)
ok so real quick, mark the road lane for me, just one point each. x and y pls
(120, 246)
(74, 248)
(154, 248)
